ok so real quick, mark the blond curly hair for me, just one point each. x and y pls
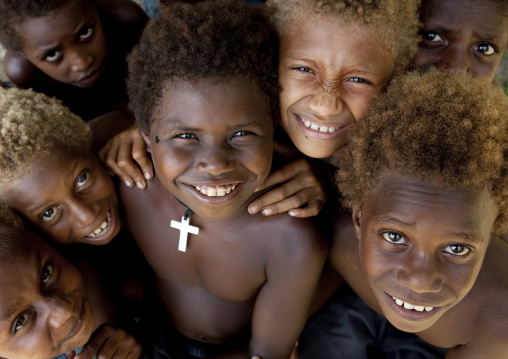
(34, 127)
(451, 128)
(394, 22)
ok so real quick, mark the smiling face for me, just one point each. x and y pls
(68, 44)
(214, 143)
(422, 247)
(462, 35)
(70, 198)
(44, 311)
(329, 72)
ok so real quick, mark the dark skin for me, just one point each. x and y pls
(257, 271)
(462, 35)
(84, 63)
(430, 247)
(52, 299)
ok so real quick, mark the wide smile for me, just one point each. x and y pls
(318, 130)
(104, 230)
(78, 326)
(410, 306)
(411, 311)
(216, 191)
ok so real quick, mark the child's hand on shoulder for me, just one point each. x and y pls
(108, 342)
(125, 155)
(301, 190)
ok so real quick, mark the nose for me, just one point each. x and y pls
(216, 160)
(82, 211)
(59, 310)
(454, 59)
(80, 58)
(421, 274)
(326, 102)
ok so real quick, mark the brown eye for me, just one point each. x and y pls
(86, 33)
(46, 274)
(485, 48)
(82, 179)
(49, 214)
(457, 249)
(394, 237)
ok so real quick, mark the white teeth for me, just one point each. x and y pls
(216, 191)
(316, 127)
(102, 227)
(418, 308)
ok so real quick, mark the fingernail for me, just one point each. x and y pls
(140, 185)
(292, 213)
(253, 209)
(148, 175)
(128, 183)
(266, 212)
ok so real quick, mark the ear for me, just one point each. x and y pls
(357, 219)
(146, 137)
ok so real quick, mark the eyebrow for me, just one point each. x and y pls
(7, 314)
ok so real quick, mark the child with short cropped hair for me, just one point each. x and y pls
(463, 35)
(203, 86)
(351, 51)
(425, 175)
(74, 50)
(49, 308)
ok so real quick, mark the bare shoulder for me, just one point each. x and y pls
(295, 235)
(19, 69)
(486, 308)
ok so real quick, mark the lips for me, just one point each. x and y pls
(90, 77)
(103, 227)
(78, 326)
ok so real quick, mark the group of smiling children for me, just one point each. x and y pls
(251, 115)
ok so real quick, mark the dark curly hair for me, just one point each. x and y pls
(14, 12)
(211, 40)
(451, 128)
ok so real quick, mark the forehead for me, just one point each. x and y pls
(212, 102)
(50, 172)
(333, 39)
(414, 201)
(49, 29)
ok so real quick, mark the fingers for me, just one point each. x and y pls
(303, 195)
(128, 167)
(285, 173)
(126, 156)
(279, 201)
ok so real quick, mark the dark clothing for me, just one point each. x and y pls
(346, 327)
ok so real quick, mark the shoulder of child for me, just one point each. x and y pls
(483, 315)
(19, 69)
